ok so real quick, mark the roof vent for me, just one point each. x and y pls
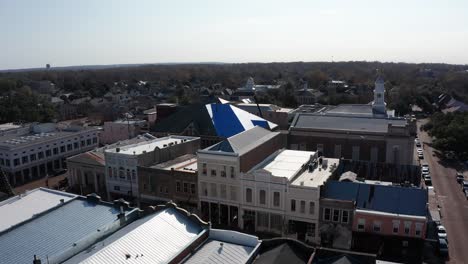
(62, 201)
(93, 198)
(117, 150)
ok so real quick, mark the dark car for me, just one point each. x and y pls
(460, 177)
(443, 247)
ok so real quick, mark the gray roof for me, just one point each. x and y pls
(245, 141)
(352, 109)
(58, 233)
(223, 246)
(344, 123)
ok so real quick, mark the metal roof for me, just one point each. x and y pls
(223, 246)
(149, 146)
(345, 123)
(245, 141)
(380, 198)
(352, 109)
(59, 233)
(157, 238)
(22, 207)
(286, 163)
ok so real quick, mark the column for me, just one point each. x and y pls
(96, 183)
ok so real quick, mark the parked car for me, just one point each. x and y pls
(425, 169)
(428, 180)
(465, 186)
(417, 142)
(460, 177)
(443, 247)
(441, 232)
(420, 156)
(419, 150)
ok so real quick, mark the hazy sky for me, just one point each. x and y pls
(86, 32)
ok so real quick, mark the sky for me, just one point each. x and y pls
(98, 32)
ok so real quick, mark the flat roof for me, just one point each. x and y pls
(318, 176)
(286, 163)
(352, 109)
(140, 148)
(225, 246)
(23, 207)
(157, 238)
(187, 162)
(8, 126)
(345, 123)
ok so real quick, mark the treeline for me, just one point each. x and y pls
(450, 132)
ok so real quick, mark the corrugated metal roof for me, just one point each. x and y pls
(224, 246)
(156, 238)
(54, 233)
(20, 208)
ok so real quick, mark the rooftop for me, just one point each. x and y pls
(363, 110)
(187, 162)
(319, 175)
(380, 198)
(243, 142)
(149, 146)
(58, 233)
(344, 123)
(23, 207)
(223, 246)
(156, 238)
(283, 250)
(286, 163)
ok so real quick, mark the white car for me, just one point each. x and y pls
(425, 165)
(419, 150)
(441, 232)
(425, 169)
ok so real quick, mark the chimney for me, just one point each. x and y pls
(121, 216)
(36, 260)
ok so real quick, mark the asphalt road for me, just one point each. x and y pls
(454, 206)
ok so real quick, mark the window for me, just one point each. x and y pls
(2, 161)
(185, 187)
(204, 169)
(262, 197)
(16, 162)
(248, 195)
(213, 172)
(166, 189)
(311, 207)
(336, 215)
(293, 205)
(24, 159)
(276, 222)
(338, 151)
(116, 188)
(361, 224)
(133, 175)
(262, 219)
(48, 153)
(233, 174)
(7, 163)
(377, 226)
(62, 149)
(109, 171)
(128, 175)
(177, 186)
(75, 145)
(192, 188)
(326, 214)
(355, 154)
(344, 217)
(223, 191)
(396, 227)
(223, 172)
(407, 227)
(82, 143)
(88, 141)
(233, 193)
(204, 189)
(418, 229)
(32, 157)
(303, 207)
(40, 155)
(69, 147)
(94, 140)
(213, 190)
(55, 151)
(310, 229)
(121, 173)
(160, 189)
(276, 199)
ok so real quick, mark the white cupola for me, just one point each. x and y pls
(379, 105)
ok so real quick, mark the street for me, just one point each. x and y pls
(454, 206)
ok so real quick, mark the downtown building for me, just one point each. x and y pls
(39, 150)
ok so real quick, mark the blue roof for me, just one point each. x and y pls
(388, 199)
(53, 234)
(229, 120)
